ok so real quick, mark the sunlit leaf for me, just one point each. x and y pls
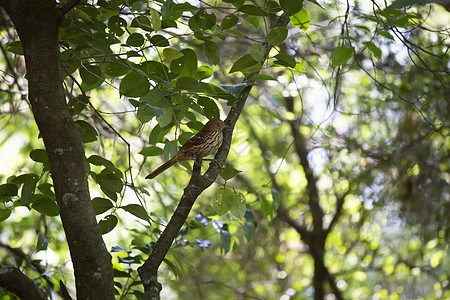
(374, 49)
(301, 19)
(151, 151)
(228, 172)
(341, 55)
(223, 200)
(156, 19)
(171, 54)
(238, 208)
(258, 51)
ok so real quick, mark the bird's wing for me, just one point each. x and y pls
(193, 141)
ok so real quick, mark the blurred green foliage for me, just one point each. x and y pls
(368, 87)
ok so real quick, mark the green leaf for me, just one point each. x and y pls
(8, 190)
(285, 60)
(15, 47)
(46, 189)
(116, 25)
(291, 7)
(223, 200)
(134, 85)
(225, 240)
(110, 181)
(202, 20)
(107, 224)
(258, 51)
(135, 40)
(45, 205)
(317, 3)
(277, 35)
(29, 186)
(87, 132)
(159, 41)
(249, 230)
(156, 19)
(252, 20)
(24, 178)
(341, 55)
(386, 34)
(137, 211)
(301, 19)
(166, 118)
(238, 207)
(398, 4)
(374, 49)
(91, 74)
(212, 52)
(203, 72)
(299, 67)
(242, 63)
(157, 134)
(151, 151)
(100, 161)
(276, 199)
(185, 66)
(266, 207)
(235, 32)
(4, 214)
(170, 150)
(229, 21)
(142, 22)
(272, 7)
(263, 77)
(252, 10)
(78, 104)
(228, 172)
(101, 205)
(171, 54)
(42, 243)
(210, 107)
(188, 84)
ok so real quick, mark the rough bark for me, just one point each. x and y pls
(37, 23)
(19, 284)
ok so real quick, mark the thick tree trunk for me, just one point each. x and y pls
(37, 23)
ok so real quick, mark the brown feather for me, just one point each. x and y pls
(205, 142)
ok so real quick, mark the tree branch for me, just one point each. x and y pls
(37, 23)
(18, 283)
(68, 6)
(339, 204)
(197, 184)
(302, 152)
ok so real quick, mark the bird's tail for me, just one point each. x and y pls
(162, 168)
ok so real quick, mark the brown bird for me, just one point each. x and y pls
(204, 143)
